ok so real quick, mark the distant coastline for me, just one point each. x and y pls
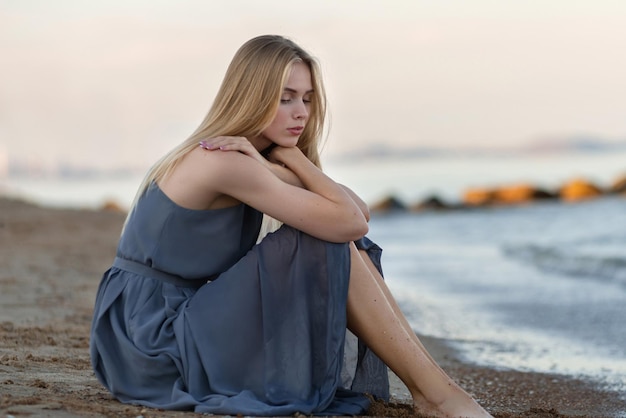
(544, 146)
(16, 167)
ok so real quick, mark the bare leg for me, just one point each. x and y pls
(374, 316)
(393, 303)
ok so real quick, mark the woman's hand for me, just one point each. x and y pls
(243, 145)
(233, 143)
(285, 156)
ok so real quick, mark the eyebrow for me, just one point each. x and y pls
(290, 90)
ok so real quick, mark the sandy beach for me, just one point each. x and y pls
(51, 262)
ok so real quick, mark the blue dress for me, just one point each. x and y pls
(264, 336)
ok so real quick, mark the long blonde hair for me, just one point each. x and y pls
(248, 100)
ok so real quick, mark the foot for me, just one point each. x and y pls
(467, 408)
(424, 408)
(461, 405)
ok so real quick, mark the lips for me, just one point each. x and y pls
(297, 130)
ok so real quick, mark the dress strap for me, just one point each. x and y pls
(147, 271)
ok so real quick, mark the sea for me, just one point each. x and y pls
(539, 287)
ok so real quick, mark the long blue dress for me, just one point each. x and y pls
(264, 336)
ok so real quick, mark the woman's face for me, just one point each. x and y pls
(293, 110)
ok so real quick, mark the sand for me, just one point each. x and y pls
(51, 263)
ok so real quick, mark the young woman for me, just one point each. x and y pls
(193, 315)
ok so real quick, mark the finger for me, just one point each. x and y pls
(236, 144)
(222, 142)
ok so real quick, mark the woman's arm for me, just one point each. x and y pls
(322, 208)
(243, 145)
(284, 174)
(365, 210)
(290, 177)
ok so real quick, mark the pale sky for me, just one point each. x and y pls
(122, 81)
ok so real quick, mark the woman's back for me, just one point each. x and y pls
(188, 243)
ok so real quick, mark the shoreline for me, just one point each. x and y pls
(509, 393)
(52, 260)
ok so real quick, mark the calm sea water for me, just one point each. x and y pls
(539, 287)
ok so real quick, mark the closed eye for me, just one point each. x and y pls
(290, 93)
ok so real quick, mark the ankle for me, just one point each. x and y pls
(423, 407)
(453, 402)
(436, 396)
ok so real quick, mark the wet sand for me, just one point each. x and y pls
(51, 262)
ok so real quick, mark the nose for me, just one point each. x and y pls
(301, 111)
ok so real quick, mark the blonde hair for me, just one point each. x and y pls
(248, 100)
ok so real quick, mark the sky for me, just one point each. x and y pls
(120, 82)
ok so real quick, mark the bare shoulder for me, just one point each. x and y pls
(215, 166)
(198, 180)
(214, 179)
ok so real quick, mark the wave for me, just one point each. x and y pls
(570, 262)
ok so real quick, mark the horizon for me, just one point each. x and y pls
(555, 148)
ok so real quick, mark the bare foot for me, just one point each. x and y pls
(460, 405)
(425, 408)
(464, 408)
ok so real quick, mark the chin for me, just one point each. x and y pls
(284, 142)
(289, 143)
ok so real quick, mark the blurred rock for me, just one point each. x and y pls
(520, 193)
(579, 189)
(619, 186)
(514, 194)
(112, 206)
(389, 203)
(478, 196)
(429, 204)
